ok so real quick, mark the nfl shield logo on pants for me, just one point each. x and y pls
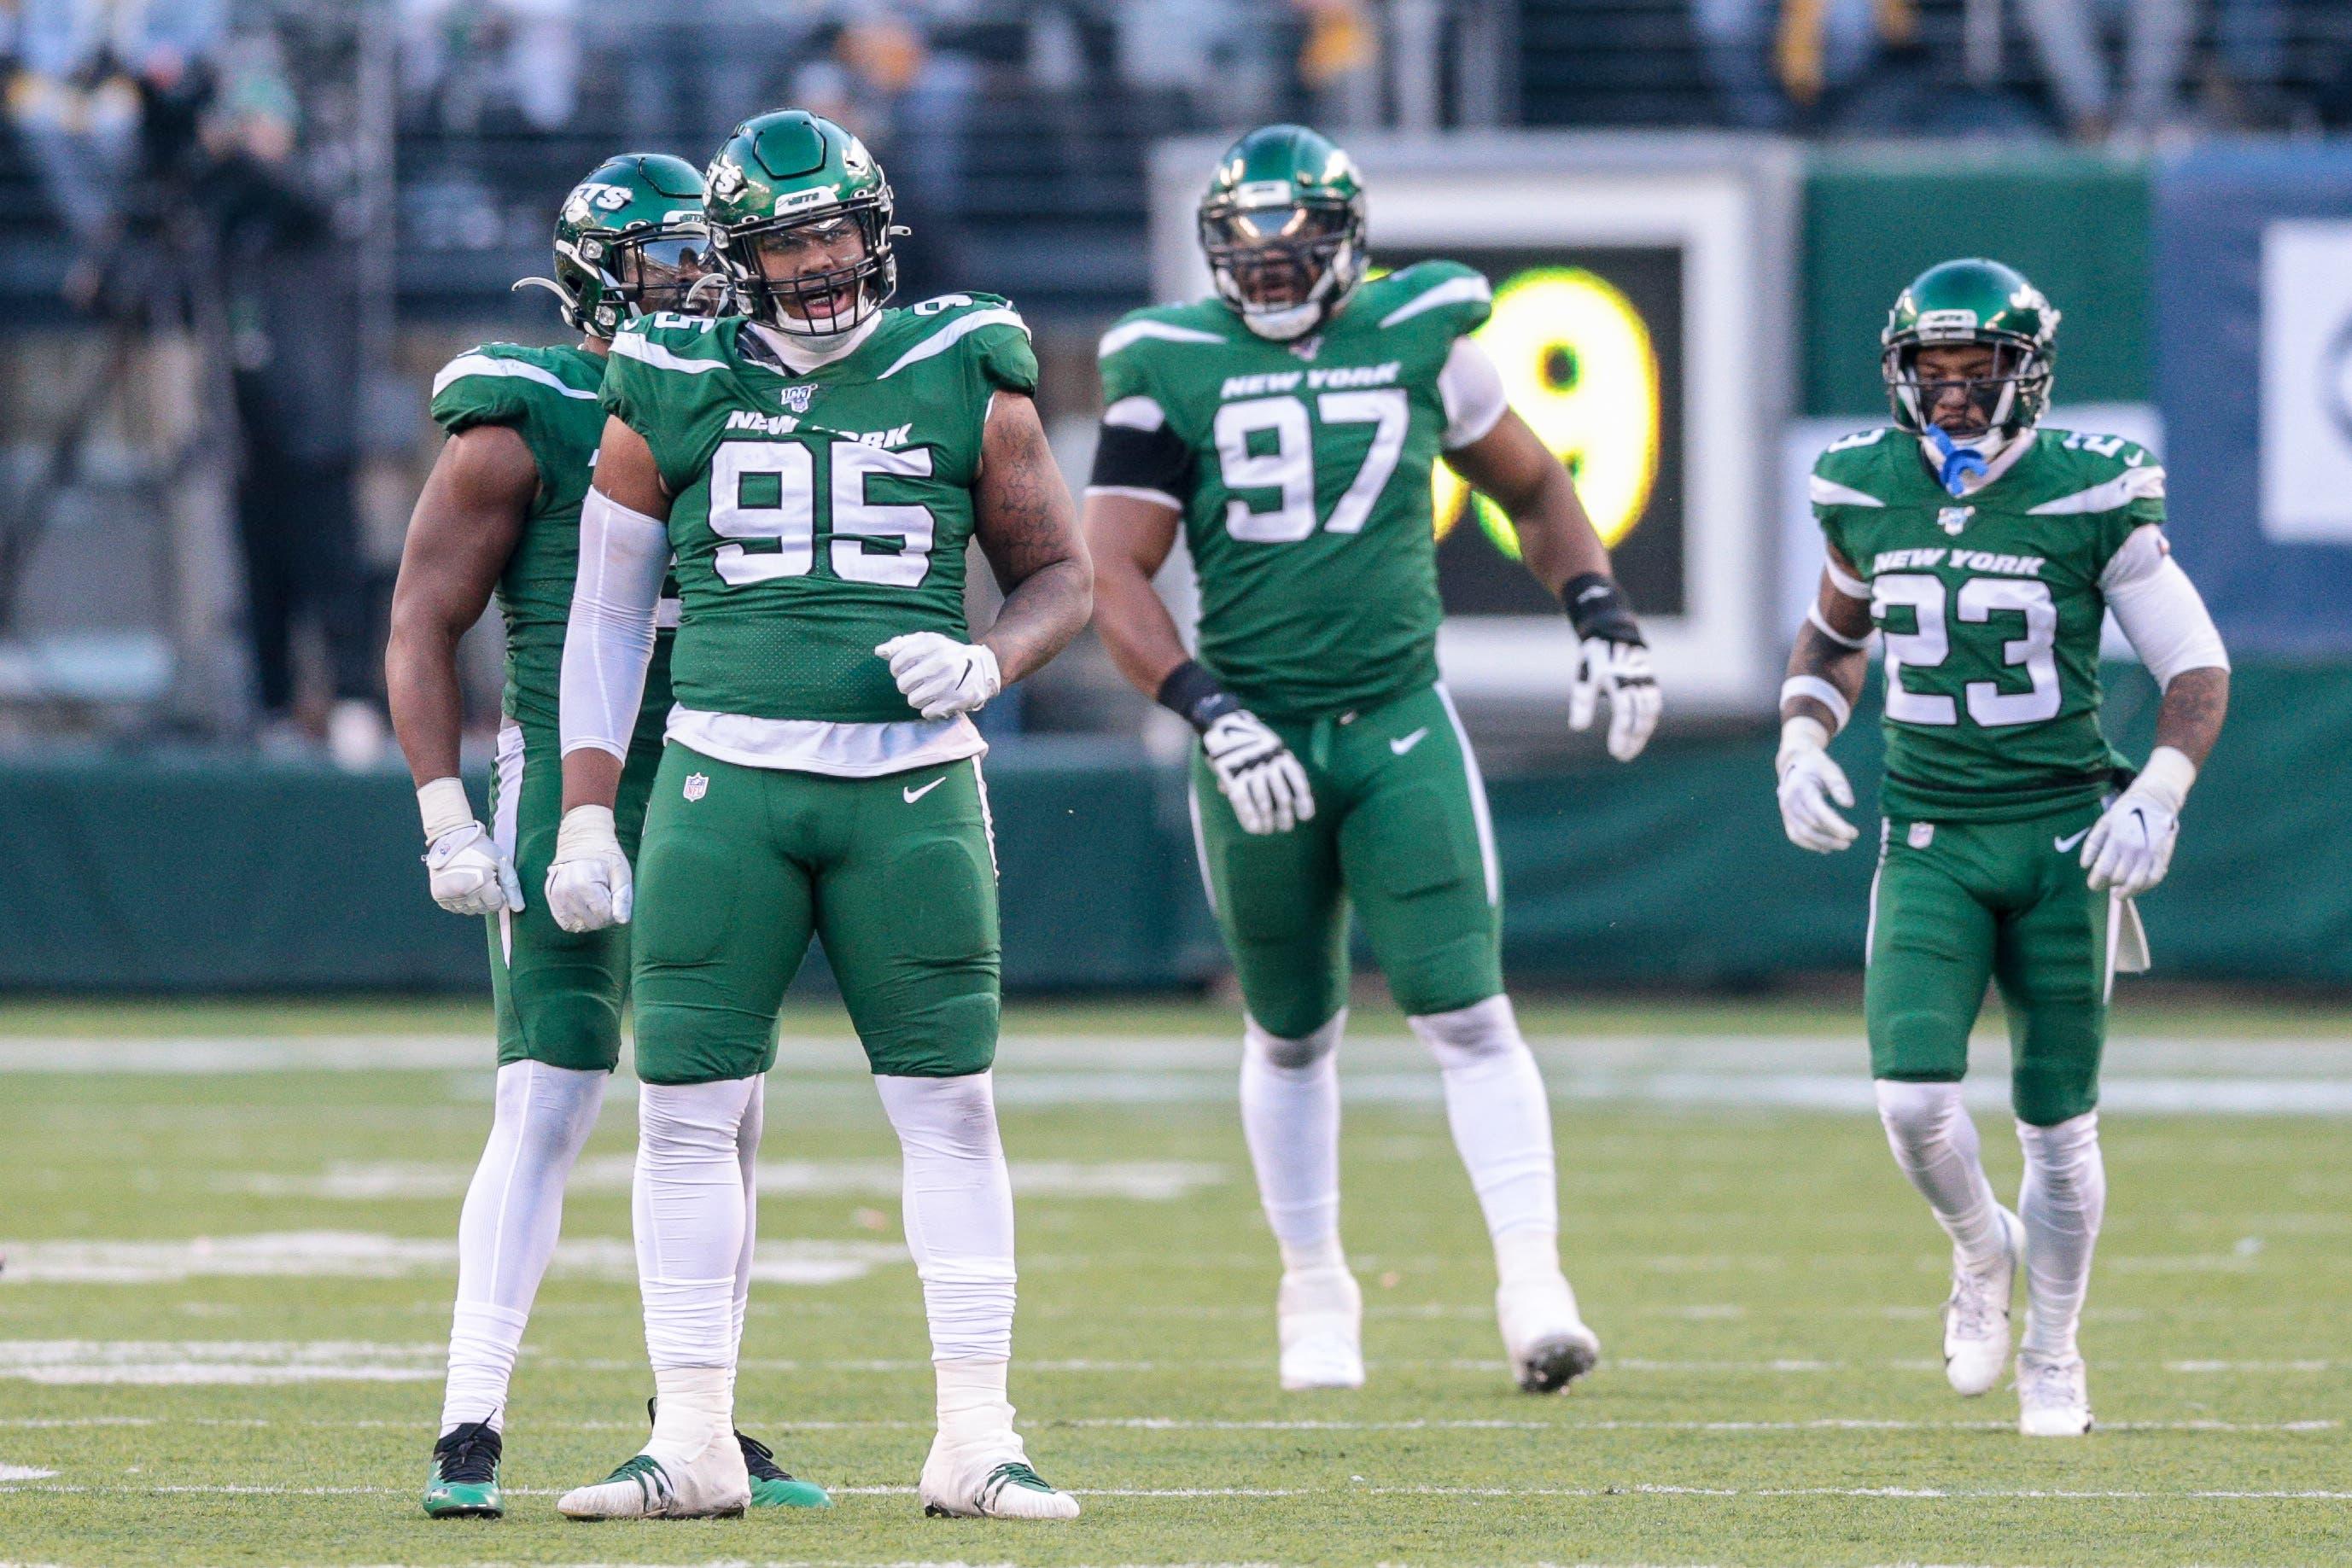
(697, 786)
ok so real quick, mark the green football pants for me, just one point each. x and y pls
(557, 996)
(1958, 904)
(896, 875)
(1399, 831)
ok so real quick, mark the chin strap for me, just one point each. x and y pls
(1958, 463)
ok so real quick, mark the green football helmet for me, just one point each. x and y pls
(1282, 225)
(630, 240)
(800, 218)
(1972, 302)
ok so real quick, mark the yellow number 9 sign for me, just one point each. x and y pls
(1577, 364)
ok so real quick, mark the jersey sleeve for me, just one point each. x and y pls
(1836, 488)
(654, 384)
(1138, 451)
(2117, 488)
(1002, 352)
(1445, 294)
(477, 388)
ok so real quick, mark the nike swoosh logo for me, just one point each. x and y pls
(911, 796)
(2063, 845)
(1404, 743)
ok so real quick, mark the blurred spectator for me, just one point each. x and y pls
(470, 61)
(1814, 48)
(2250, 37)
(89, 78)
(293, 343)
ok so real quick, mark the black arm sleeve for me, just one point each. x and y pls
(1155, 463)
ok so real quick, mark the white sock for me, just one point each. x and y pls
(1936, 1143)
(1495, 1104)
(2064, 1197)
(1290, 1119)
(973, 1405)
(688, 1204)
(959, 1218)
(507, 1231)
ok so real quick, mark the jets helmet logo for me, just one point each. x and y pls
(726, 178)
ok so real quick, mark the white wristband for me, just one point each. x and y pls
(1800, 732)
(2166, 778)
(444, 806)
(585, 828)
(1821, 692)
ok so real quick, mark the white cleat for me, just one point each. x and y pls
(1976, 1315)
(1321, 1316)
(2053, 1398)
(714, 1485)
(989, 1480)
(1546, 1341)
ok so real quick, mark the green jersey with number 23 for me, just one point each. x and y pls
(1990, 608)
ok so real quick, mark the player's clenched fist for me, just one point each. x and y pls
(1258, 773)
(588, 885)
(940, 677)
(462, 862)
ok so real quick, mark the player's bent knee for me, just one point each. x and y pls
(1917, 1113)
(1294, 1053)
(1459, 1036)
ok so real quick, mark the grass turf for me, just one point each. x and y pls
(1764, 1283)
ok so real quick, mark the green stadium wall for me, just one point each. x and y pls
(205, 874)
(2078, 224)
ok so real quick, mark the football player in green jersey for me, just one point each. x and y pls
(500, 514)
(1287, 426)
(817, 464)
(1986, 551)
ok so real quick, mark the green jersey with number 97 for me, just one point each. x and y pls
(1990, 606)
(816, 516)
(1303, 472)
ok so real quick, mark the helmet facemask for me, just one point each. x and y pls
(1284, 268)
(820, 276)
(1998, 404)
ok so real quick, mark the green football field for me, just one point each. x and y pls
(229, 1238)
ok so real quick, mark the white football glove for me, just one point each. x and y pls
(1621, 673)
(1810, 780)
(588, 884)
(2129, 848)
(940, 676)
(467, 874)
(1258, 773)
(462, 862)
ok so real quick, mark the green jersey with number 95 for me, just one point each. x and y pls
(1303, 472)
(1990, 606)
(816, 516)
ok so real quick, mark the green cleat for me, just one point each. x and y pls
(772, 1486)
(465, 1480)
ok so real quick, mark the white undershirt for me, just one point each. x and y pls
(1471, 389)
(2160, 610)
(624, 555)
(802, 355)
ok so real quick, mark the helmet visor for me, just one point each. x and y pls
(815, 271)
(660, 273)
(1965, 394)
(1275, 255)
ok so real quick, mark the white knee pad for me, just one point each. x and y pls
(1294, 1055)
(1921, 1117)
(1467, 1037)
